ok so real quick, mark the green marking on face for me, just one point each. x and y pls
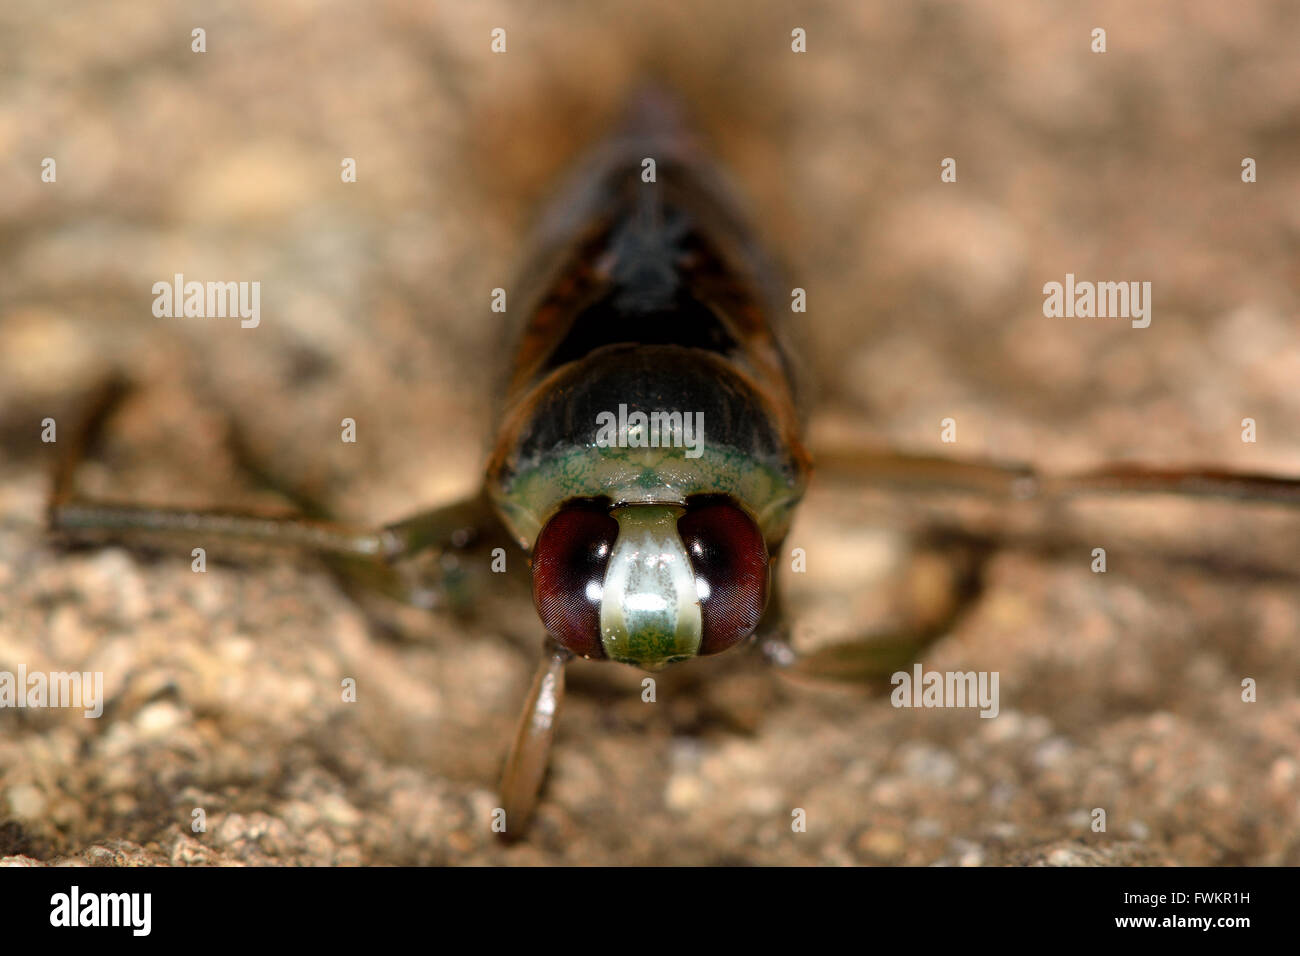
(650, 610)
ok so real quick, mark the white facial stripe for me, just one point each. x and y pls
(650, 611)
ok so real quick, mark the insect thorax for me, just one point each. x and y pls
(644, 424)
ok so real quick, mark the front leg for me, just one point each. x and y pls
(530, 750)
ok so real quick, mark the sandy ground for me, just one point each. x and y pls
(1119, 691)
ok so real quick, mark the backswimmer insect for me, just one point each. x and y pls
(649, 455)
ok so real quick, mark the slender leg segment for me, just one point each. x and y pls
(82, 518)
(530, 752)
(1022, 482)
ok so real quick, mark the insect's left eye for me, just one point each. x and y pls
(729, 557)
(569, 562)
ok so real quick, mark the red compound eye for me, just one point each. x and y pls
(729, 557)
(569, 562)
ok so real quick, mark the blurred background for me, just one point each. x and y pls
(1119, 691)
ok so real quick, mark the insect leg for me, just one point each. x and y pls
(373, 558)
(530, 751)
(1022, 482)
(876, 655)
(366, 556)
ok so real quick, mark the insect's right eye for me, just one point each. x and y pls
(569, 562)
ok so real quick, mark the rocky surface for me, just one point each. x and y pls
(1119, 691)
